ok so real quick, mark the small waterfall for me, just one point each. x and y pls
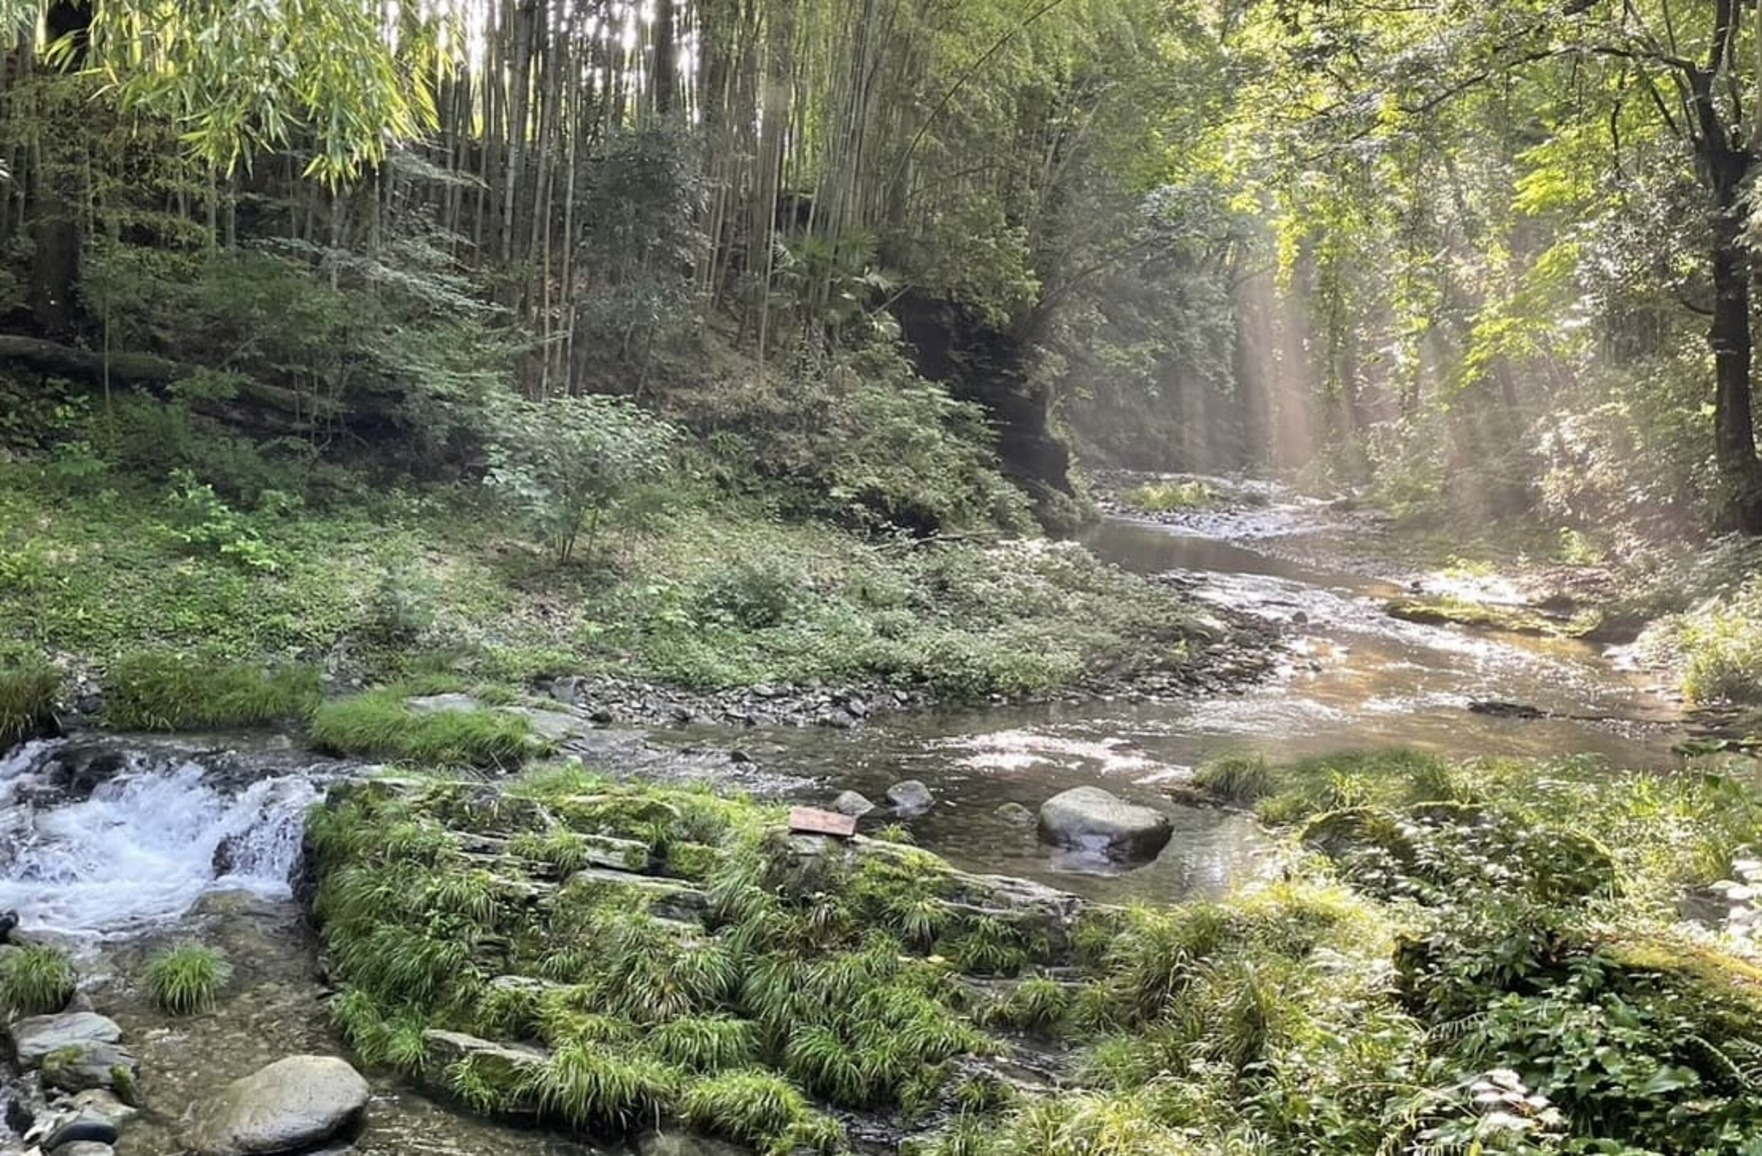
(103, 837)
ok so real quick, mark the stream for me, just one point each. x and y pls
(117, 846)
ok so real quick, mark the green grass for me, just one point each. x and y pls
(381, 724)
(1240, 780)
(27, 699)
(35, 980)
(760, 1109)
(172, 691)
(705, 594)
(187, 978)
(1434, 921)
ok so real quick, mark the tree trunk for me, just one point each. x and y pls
(1734, 432)
(50, 205)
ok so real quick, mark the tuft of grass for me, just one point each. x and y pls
(27, 700)
(590, 1088)
(707, 1043)
(1240, 780)
(381, 724)
(176, 691)
(35, 980)
(750, 1106)
(187, 978)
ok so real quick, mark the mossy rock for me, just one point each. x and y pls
(1482, 615)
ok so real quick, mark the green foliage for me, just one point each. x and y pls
(203, 523)
(164, 691)
(752, 1107)
(1241, 780)
(35, 980)
(1163, 497)
(28, 689)
(186, 979)
(382, 724)
(566, 463)
(858, 437)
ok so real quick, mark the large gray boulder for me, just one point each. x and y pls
(292, 1104)
(1091, 819)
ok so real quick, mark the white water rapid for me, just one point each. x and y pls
(100, 838)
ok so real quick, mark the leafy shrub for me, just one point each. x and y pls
(381, 724)
(401, 605)
(27, 700)
(205, 524)
(35, 980)
(857, 436)
(753, 595)
(1163, 497)
(565, 463)
(186, 979)
(170, 691)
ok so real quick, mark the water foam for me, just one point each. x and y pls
(145, 843)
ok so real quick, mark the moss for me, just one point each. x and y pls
(122, 1082)
(381, 724)
(172, 691)
(28, 688)
(1447, 611)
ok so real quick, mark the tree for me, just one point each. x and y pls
(1363, 80)
(565, 463)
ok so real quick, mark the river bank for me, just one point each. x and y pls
(710, 613)
(448, 968)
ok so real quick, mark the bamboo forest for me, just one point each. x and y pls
(880, 578)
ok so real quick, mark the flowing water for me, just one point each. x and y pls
(1353, 677)
(121, 845)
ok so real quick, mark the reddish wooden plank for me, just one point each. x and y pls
(813, 821)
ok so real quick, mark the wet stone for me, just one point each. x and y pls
(1015, 814)
(1091, 819)
(910, 797)
(83, 1148)
(852, 803)
(35, 1038)
(291, 1105)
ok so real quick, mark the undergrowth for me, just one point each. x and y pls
(702, 590)
(1449, 941)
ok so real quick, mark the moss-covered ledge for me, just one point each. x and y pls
(607, 957)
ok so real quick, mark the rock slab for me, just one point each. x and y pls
(1091, 819)
(34, 1038)
(293, 1104)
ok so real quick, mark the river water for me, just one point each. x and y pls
(1353, 678)
(125, 845)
